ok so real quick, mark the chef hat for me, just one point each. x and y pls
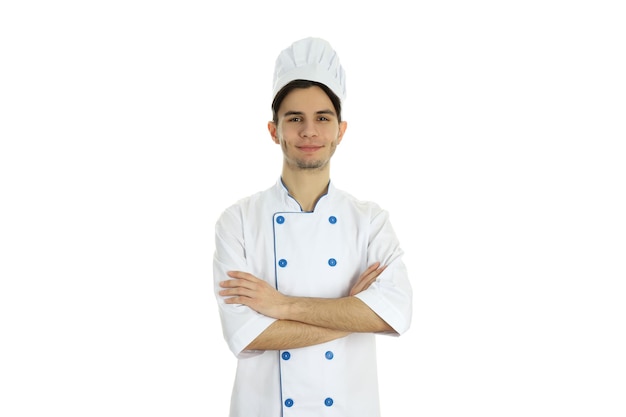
(310, 59)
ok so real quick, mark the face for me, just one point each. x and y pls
(308, 129)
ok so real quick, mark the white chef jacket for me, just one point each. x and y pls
(312, 254)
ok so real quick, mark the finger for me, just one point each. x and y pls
(237, 300)
(367, 279)
(358, 287)
(372, 273)
(371, 268)
(230, 283)
(364, 277)
(238, 283)
(371, 281)
(237, 292)
(240, 275)
(377, 272)
(363, 285)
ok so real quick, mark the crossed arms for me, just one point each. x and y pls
(303, 321)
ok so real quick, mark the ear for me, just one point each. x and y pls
(272, 128)
(342, 129)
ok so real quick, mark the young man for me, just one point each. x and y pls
(305, 274)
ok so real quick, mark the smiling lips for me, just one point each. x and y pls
(309, 148)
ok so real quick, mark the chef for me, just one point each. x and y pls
(306, 275)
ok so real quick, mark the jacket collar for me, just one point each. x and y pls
(291, 204)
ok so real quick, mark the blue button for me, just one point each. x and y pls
(332, 219)
(332, 262)
(282, 263)
(286, 355)
(280, 220)
(328, 402)
(329, 355)
(289, 402)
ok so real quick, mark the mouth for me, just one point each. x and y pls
(309, 148)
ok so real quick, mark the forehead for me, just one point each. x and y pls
(311, 99)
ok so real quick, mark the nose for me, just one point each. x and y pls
(308, 129)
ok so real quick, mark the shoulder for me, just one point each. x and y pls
(247, 204)
(363, 207)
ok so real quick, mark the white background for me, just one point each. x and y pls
(492, 131)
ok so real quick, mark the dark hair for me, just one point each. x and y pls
(280, 96)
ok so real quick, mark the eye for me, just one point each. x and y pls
(295, 119)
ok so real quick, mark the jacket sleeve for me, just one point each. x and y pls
(240, 324)
(391, 296)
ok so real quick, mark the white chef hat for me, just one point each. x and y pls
(310, 59)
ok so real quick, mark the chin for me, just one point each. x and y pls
(312, 164)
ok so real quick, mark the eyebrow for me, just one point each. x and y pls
(299, 113)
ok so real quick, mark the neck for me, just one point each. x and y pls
(306, 186)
